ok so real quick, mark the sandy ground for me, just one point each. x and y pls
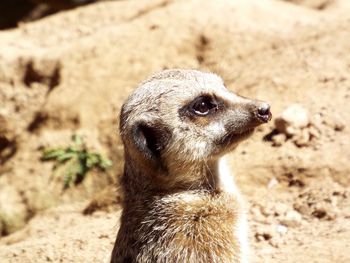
(70, 72)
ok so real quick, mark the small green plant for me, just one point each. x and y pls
(77, 161)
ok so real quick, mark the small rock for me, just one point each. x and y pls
(314, 132)
(292, 119)
(291, 219)
(272, 234)
(338, 125)
(279, 139)
(303, 138)
(272, 183)
(281, 229)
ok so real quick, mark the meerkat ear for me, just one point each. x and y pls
(151, 139)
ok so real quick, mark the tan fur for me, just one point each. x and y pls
(179, 206)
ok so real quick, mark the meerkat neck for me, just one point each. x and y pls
(212, 176)
(226, 181)
(220, 176)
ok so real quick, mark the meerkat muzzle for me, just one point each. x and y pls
(263, 112)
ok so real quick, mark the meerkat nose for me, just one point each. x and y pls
(263, 112)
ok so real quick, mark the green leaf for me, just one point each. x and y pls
(65, 156)
(92, 160)
(72, 149)
(52, 154)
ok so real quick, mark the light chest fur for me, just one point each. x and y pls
(188, 227)
(191, 226)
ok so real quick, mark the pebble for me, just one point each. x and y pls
(281, 229)
(272, 183)
(291, 219)
(292, 119)
(279, 139)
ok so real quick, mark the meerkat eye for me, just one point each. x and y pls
(204, 105)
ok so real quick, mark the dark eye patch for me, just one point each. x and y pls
(201, 108)
(204, 105)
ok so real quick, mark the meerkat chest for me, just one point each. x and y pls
(191, 228)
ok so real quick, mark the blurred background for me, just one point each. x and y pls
(67, 66)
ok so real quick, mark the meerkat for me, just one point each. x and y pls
(180, 200)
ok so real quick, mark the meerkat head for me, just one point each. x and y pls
(181, 117)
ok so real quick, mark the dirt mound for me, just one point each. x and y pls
(69, 74)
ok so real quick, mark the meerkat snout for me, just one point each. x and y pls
(263, 112)
(178, 193)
